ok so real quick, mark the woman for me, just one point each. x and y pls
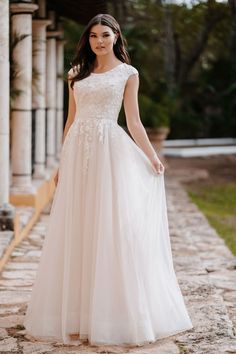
(106, 273)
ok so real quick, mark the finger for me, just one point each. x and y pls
(158, 169)
(162, 168)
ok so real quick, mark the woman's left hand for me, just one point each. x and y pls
(157, 164)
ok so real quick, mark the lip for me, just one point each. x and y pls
(100, 47)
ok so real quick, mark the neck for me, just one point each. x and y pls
(104, 61)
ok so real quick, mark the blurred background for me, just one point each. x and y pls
(185, 52)
(186, 55)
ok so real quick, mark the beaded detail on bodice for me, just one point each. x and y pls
(100, 95)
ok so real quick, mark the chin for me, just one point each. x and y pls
(101, 52)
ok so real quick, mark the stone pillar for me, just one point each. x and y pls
(4, 116)
(4, 102)
(60, 95)
(51, 92)
(21, 20)
(39, 94)
(51, 97)
(42, 13)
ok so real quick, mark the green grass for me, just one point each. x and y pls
(218, 203)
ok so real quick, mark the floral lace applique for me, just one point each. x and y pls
(98, 100)
(86, 132)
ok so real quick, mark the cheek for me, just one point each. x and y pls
(109, 41)
(91, 42)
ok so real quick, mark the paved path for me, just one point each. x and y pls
(205, 268)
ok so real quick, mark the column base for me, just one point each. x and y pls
(51, 162)
(22, 185)
(40, 172)
(7, 214)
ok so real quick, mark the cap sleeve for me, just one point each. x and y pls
(132, 70)
(73, 72)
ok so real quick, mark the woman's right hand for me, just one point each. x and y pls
(56, 177)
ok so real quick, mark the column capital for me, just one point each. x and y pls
(54, 34)
(22, 8)
(61, 30)
(40, 22)
(61, 41)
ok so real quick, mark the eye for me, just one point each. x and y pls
(92, 35)
(106, 35)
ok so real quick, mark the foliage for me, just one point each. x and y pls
(72, 34)
(186, 57)
(15, 69)
(153, 114)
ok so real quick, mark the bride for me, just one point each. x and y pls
(106, 272)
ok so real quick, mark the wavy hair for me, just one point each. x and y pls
(85, 57)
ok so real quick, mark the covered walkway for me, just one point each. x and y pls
(32, 113)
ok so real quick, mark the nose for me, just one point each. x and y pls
(100, 40)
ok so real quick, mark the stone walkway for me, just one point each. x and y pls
(205, 268)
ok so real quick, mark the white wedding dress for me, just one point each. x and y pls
(106, 271)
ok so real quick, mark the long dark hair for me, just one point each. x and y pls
(84, 58)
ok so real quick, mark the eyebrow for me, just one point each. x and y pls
(102, 32)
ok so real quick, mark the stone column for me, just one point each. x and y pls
(4, 117)
(60, 95)
(39, 94)
(21, 20)
(42, 13)
(51, 96)
(4, 102)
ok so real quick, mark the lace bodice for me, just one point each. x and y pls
(98, 100)
(100, 95)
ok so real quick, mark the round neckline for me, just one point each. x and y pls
(108, 70)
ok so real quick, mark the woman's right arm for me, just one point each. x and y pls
(69, 121)
(71, 111)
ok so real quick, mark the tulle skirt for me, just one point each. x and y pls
(106, 271)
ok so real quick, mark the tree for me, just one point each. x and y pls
(186, 57)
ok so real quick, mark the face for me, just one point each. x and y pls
(101, 39)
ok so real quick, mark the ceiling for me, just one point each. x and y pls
(78, 10)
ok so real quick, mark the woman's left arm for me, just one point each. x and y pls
(135, 125)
